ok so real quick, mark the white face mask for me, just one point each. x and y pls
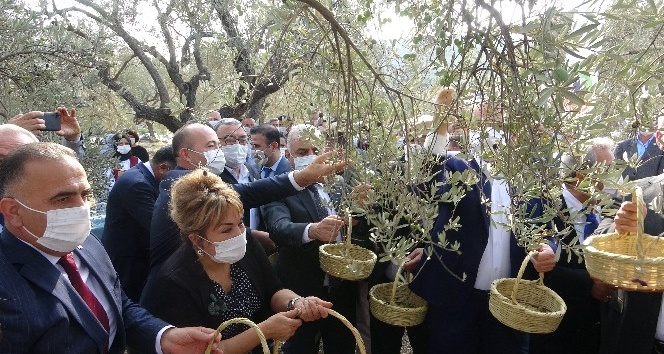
(229, 251)
(303, 161)
(235, 154)
(215, 160)
(283, 152)
(65, 228)
(214, 124)
(123, 149)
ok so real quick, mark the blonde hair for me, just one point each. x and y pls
(200, 200)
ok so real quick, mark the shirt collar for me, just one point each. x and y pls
(149, 167)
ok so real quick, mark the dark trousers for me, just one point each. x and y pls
(471, 329)
(629, 323)
(387, 339)
(337, 338)
(578, 333)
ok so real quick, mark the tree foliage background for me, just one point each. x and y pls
(551, 75)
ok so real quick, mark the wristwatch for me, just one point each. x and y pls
(291, 303)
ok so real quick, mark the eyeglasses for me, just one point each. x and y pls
(231, 140)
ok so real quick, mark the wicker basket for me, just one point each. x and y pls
(395, 304)
(632, 261)
(345, 260)
(356, 333)
(526, 305)
(248, 322)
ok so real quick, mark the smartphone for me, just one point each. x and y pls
(52, 121)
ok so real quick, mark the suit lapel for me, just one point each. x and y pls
(308, 202)
(43, 274)
(89, 253)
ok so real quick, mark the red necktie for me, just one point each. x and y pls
(67, 262)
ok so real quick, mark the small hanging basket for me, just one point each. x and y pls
(395, 304)
(526, 305)
(345, 260)
(632, 261)
(246, 321)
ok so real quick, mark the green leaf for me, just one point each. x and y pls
(583, 30)
(560, 75)
(573, 98)
(570, 52)
(544, 96)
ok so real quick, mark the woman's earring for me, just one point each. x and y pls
(199, 252)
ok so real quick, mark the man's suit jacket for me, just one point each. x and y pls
(164, 233)
(629, 319)
(40, 312)
(127, 227)
(579, 331)
(283, 166)
(433, 281)
(228, 177)
(298, 264)
(652, 160)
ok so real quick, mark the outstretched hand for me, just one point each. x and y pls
(319, 168)
(312, 308)
(189, 340)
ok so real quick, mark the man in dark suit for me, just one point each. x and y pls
(197, 145)
(633, 322)
(59, 291)
(299, 224)
(128, 216)
(650, 156)
(579, 331)
(233, 141)
(265, 142)
(456, 284)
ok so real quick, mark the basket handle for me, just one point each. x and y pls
(637, 198)
(350, 228)
(246, 321)
(540, 281)
(356, 333)
(396, 283)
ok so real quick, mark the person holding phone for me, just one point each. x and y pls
(63, 122)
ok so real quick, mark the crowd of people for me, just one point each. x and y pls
(226, 222)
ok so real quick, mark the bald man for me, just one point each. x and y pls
(12, 136)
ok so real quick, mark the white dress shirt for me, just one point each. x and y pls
(495, 262)
(577, 213)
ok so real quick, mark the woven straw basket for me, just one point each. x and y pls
(526, 305)
(632, 261)
(395, 304)
(246, 321)
(345, 260)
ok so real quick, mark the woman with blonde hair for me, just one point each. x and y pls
(220, 272)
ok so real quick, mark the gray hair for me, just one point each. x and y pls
(297, 130)
(229, 121)
(571, 163)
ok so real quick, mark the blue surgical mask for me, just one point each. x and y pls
(303, 161)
